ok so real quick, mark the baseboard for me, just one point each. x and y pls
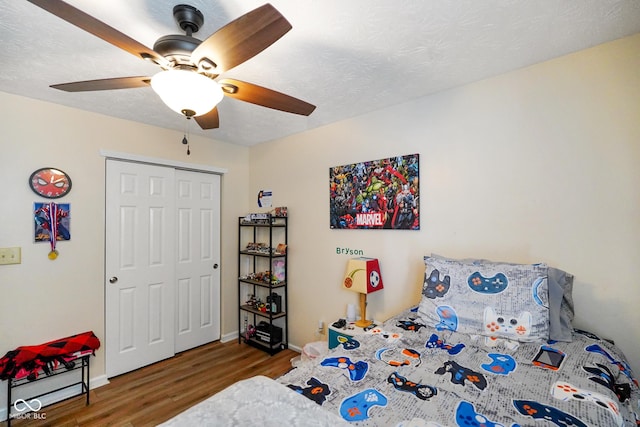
(295, 348)
(99, 381)
(55, 397)
(229, 337)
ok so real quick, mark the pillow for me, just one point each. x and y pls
(498, 300)
(561, 309)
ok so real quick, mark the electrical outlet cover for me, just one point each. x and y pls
(10, 256)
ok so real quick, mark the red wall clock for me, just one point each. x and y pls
(51, 183)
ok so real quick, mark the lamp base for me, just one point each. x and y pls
(363, 323)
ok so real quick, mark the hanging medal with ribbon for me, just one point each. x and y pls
(53, 230)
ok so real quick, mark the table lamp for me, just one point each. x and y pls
(363, 276)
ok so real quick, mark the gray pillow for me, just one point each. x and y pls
(479, 297)
(561, 310)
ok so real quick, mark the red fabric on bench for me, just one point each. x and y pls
(28, 361)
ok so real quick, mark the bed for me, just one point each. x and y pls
(490, 344)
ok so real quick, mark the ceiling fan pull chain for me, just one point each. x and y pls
(185, 139)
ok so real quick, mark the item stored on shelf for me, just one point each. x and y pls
(268, 333)
(274, 303)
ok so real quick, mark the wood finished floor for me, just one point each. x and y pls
(155, 393)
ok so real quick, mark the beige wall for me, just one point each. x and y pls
(41, 299)
(535, 165)
(540, 164)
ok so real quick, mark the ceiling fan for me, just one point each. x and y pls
(195, 63)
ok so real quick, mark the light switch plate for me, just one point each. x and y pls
(10, 256)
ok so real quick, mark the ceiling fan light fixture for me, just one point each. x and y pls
(148, 57)
(187, 91)
(206, 65)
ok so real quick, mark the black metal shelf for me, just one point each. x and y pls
(262, 254)
(265, 230)
(263, 284)
(265, 314)
(271, 348)
(260, 224)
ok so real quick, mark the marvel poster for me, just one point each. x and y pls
(377, 194)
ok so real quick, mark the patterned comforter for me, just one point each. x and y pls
(402, 373)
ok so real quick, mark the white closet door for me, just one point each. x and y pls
(198, 258)
(139, 265)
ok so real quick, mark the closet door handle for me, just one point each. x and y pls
(215, 266)
(114, 279)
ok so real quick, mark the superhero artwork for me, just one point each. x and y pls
(42, 215)
(376, 194)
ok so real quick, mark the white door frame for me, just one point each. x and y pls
(116, 155)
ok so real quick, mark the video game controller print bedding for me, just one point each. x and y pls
(500, 301)
(424, 376)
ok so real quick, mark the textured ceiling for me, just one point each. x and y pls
(347, 57)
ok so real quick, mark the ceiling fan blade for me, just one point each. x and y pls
(259, 95)
(209, 120)
(241, 39)
(104, 84)
(99, 29)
